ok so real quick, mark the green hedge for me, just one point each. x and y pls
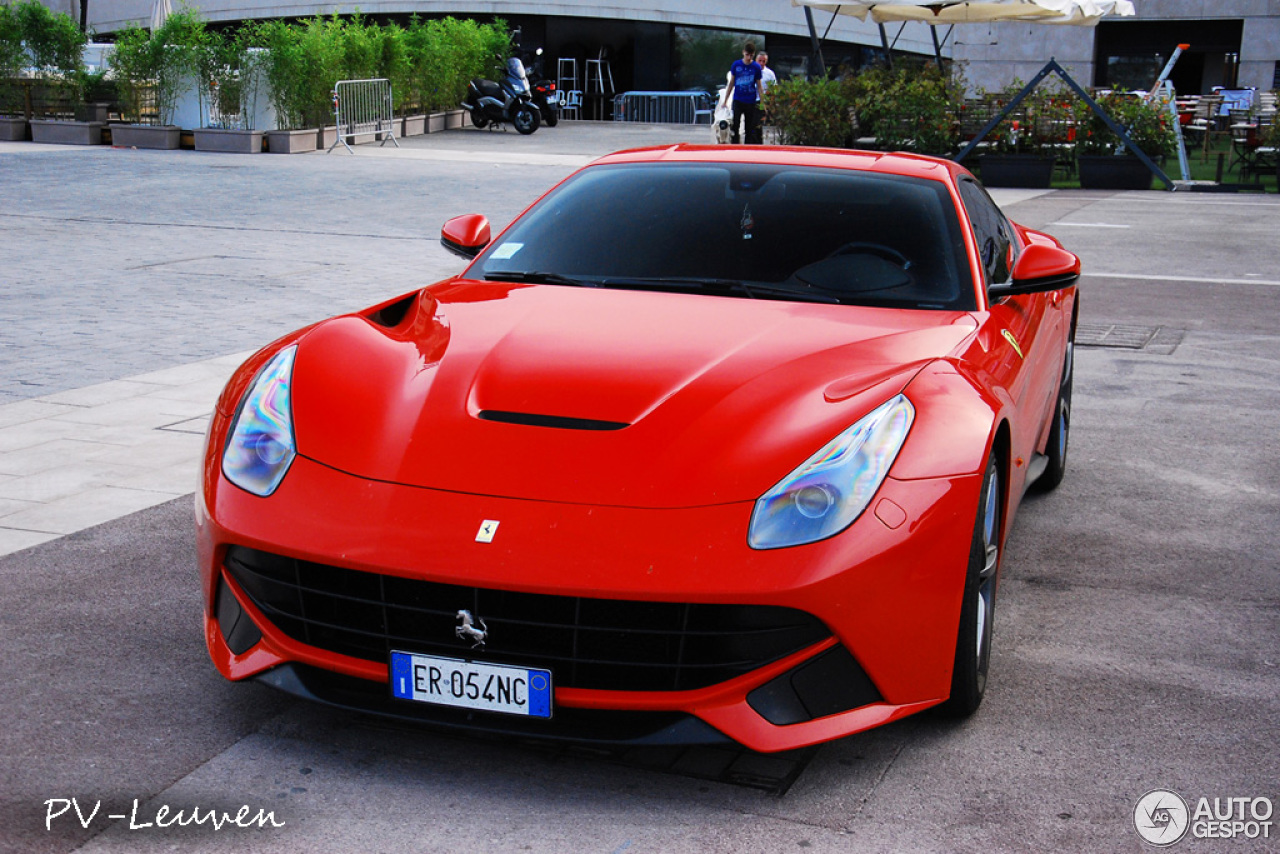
(54, 45)
(428, 62)
(911, 107)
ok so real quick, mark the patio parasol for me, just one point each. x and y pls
(160, 11)
(949, 12)
(945, 12)
(938, 13)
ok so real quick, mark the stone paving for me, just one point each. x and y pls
(136, 281)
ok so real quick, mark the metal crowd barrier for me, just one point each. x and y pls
(681, 108)
(363, 108)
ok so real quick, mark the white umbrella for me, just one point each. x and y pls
(160, 12)
(948, 12)
(945, 12)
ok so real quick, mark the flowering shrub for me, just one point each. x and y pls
(1148, 124)
(1042, 122)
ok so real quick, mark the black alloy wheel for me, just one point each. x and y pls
(973, 641)
(526, 119)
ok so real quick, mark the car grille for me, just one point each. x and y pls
(587, 643)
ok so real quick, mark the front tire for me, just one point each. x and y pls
(525, 119)
(973, 640)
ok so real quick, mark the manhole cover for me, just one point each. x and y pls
(1154, 339)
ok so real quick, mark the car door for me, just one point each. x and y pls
(1022, 334)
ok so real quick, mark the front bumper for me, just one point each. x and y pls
(887, 589)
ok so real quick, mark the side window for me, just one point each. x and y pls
(993, 231)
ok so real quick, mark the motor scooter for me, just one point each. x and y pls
(493, 102)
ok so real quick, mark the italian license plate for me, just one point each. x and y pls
(471, 684)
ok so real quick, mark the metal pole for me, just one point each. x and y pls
(815, 45)
(888, 52)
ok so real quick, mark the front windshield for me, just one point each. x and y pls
(744, 230)
(516, 74)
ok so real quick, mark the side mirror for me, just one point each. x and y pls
(466, 235)
(1040, 268)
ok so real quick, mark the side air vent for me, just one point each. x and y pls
(529, 419)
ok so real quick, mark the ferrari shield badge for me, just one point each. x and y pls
(1008, 336)
(488, 528)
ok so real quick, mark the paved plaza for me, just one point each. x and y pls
(1137, 632)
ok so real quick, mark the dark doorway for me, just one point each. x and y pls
(1131, 54)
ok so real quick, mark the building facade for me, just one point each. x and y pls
(1233, 44)
(677, 44)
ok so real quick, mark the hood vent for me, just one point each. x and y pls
(393, 314)
(529, 419)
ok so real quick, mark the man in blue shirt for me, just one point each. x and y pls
(744, 83)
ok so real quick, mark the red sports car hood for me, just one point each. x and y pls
(599, 396)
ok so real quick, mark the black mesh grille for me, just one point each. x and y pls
(586, 643)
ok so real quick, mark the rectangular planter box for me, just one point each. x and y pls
(326, 137)
(435, 122)
(163, 137)
(362, 138)
(414, 125)
(1016, 170)
(13, 129)
(229, 141)
(455, 119)
(292, 141)
(95, 112)
(1113, 172)
(66, 133)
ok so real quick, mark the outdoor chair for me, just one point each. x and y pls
(572, 104)
(1244, 149)
(1202, 125)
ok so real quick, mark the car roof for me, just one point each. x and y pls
(891, 163)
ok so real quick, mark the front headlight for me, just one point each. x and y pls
(261, 445)
(824, 495)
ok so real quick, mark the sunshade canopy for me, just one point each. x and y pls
(940, 12)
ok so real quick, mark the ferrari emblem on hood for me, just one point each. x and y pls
(488, 528)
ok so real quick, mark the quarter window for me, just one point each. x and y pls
(997, 245)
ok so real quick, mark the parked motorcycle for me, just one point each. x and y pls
(545, 94)
(547, 99)
(493, 102)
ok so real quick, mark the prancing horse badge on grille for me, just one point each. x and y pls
(467, 629)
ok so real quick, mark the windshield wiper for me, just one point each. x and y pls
(538, 277)
(754, 290)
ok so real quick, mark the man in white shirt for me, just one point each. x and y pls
(767, 77)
